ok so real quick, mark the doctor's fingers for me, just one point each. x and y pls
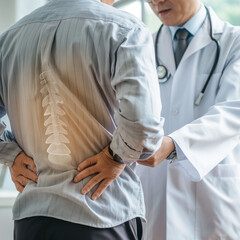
(149, 163)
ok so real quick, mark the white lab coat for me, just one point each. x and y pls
(198, 197)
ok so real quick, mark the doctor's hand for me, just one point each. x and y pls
(23, 171)
(162, 153)
(105, 169)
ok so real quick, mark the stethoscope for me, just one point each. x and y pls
(164, 75)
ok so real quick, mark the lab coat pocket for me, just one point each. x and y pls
(218, 203)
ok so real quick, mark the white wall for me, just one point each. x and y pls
(7, 13)
(23, 7)
(7, 199)
(13, 10)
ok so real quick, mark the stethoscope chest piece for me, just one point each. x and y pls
(162, 73)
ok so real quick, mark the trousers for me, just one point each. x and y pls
(47, 228)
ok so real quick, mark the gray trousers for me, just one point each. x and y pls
(46, 228)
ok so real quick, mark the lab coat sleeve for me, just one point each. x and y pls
(207, 140)
(139, 125)
(9, 149)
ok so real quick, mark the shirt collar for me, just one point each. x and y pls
(193, 24)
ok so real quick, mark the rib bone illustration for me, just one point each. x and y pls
(58, 152)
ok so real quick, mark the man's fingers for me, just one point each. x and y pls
(85, 173)
(19, 187)
(22, 180)
(30, 175)
(106, 171)
(22, 170)
(101, 188)
(86, 163)
(29, 162)
(92, 183)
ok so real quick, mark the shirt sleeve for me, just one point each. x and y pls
(9, 149)
(139, 123)
(206, 141)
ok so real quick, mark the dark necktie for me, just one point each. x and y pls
(182, 43)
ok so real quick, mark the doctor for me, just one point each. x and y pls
(195, 195)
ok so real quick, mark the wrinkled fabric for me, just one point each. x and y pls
(75, 76)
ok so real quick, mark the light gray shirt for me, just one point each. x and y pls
(75, 76)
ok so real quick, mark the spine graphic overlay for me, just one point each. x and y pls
(58, 152)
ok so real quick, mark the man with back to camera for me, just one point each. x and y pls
(194, 195)
(65, 70)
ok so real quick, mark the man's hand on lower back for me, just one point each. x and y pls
(23, 171)
(105, 169)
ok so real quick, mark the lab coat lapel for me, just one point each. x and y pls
(202, 38)
(165, 50)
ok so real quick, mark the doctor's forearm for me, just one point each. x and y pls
(212, 136)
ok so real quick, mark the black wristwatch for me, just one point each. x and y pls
(116, 158)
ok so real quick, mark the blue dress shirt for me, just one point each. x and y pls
(192, 25)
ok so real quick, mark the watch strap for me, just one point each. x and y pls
(172, 155)
(116, 158)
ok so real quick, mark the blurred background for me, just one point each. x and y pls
(12, 10)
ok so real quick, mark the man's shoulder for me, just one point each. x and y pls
(123, 18)
(96, 11)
